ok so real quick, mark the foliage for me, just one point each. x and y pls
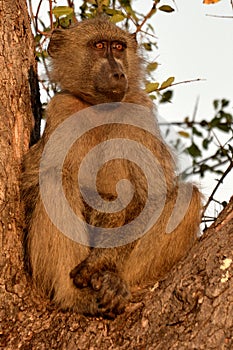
(206, 133)
(204, 137)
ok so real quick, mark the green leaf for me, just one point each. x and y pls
(112, 12)
(105, 3)
(214, 122)
(225, 103)
(147, 46)
(184, 134)
(37, 38)
(194, 150)
(150, 87)
(196, 132)
(167, 83)
(203, 169)
(43, 54)
(59, 11)
(152, 66)
(151, 27)
(117, 18)
(216, 104)
(166, 8)
(226, 116)
(65, 22)
(223, 127)
(203, 123)
(223, 153)
(205, 143)
(153, 97)
(125, 2)
(166, 96)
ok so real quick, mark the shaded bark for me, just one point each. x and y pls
(191, 309)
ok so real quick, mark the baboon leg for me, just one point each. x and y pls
(115, 271)
(52, 256)
(158, 250)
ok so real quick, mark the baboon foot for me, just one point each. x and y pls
(112, 293)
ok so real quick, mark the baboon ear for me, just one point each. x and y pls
(57, 42)
(134, 37)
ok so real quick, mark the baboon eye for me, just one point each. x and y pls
(99, 45)
(118, 46)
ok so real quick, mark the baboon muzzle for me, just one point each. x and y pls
(112, 81)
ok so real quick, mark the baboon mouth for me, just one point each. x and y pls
(111, 95)
(115, 91)
(115, 95)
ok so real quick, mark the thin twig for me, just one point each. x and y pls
(176, 5)
(32, 15)
(211, 219)
(195, 109)
(51, 14)
(71, 5)
(149, 34)
(220, 145)
(219, 16)
(228, 170)
(181, 82)
(99, 7)
(36, 17)
(150, 13)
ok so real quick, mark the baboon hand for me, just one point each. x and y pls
(82, 274)
(112, 293)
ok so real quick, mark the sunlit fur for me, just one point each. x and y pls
(103, 283)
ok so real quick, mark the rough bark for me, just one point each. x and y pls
(191, 309)
(16, 62)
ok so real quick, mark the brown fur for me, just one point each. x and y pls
(99, 280)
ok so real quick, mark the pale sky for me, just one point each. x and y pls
(193, 45)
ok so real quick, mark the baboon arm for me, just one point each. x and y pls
(100, 259)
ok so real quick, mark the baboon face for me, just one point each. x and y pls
(95, 57)
(110, 81)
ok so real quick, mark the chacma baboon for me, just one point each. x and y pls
(95, 63)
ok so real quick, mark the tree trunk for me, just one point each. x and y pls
(17, 64)
(191, 309)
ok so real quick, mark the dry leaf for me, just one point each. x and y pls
(210, 1)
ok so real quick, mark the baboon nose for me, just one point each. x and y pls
(118, 75)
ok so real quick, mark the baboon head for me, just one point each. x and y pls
(95, 60)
